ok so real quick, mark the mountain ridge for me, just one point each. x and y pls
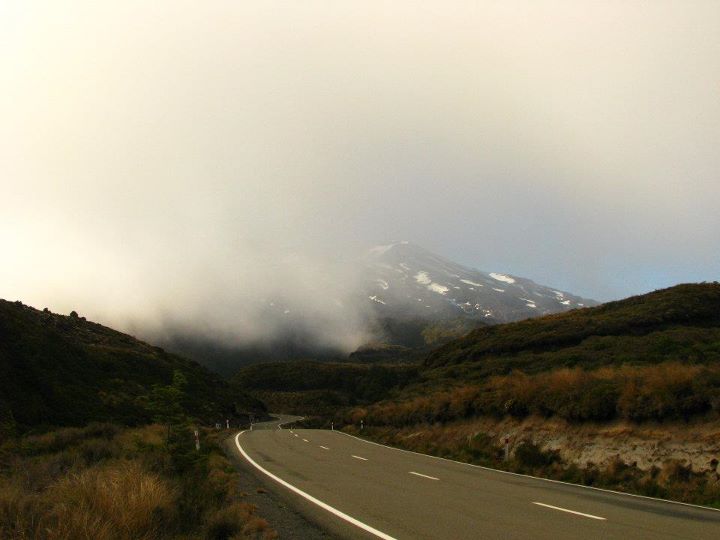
(408, 281)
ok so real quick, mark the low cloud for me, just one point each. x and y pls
(174, 166)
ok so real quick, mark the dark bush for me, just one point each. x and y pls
(529, 454)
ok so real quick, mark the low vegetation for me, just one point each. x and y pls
(664, 392)
(108, 482)
(70, 467)
(679, 323)
(321, 388)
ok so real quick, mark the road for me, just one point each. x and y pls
(367, 490)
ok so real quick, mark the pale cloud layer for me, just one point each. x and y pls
(173, 162)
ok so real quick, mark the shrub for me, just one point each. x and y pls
(530, 455)
(228, 522)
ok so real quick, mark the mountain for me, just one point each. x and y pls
(65, 370)
(411, 300)
(405, 281)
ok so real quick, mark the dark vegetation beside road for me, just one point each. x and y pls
(96, 437)
(58, 370)
(106, 482)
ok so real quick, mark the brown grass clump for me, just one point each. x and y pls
(122, 499)
(120, 502)
(103, 483)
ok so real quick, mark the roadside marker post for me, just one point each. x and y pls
(227, 423)
(197, 440)
(362, 424)
(332, 426)
(507, 447)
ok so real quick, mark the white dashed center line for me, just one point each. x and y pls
(424, 475)
(570, 511)
(324, 447)
(362, 458)
(306, 440)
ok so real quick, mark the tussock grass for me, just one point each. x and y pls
(666, 391)
(122, 499)
(104, 482)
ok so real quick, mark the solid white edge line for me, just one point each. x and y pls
(570, 511)
(602, 490)
(359, 457)
(424, 475)
(310, 498)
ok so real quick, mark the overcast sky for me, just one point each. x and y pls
(166, 155)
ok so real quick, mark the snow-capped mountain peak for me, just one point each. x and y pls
(406, 280)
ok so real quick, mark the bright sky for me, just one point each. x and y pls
(165, 153)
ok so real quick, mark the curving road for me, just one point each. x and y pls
(360, 489)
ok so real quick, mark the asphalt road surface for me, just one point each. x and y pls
(364, 490)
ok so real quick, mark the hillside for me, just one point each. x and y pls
(649, 357)
(680, 323)
(321, 388)
(64, 370)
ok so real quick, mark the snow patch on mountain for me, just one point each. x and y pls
(502, 277)
(423, 278)
(440, 289)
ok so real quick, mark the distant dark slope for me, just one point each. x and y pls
(681, 323)
(320, 388)
(64, 370)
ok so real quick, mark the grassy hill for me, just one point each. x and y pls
(649, 357)
(679, 323)
(60, 370)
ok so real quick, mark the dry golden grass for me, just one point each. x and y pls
(118, 501)
(667, 391)
(122, 498)
(100, 483)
